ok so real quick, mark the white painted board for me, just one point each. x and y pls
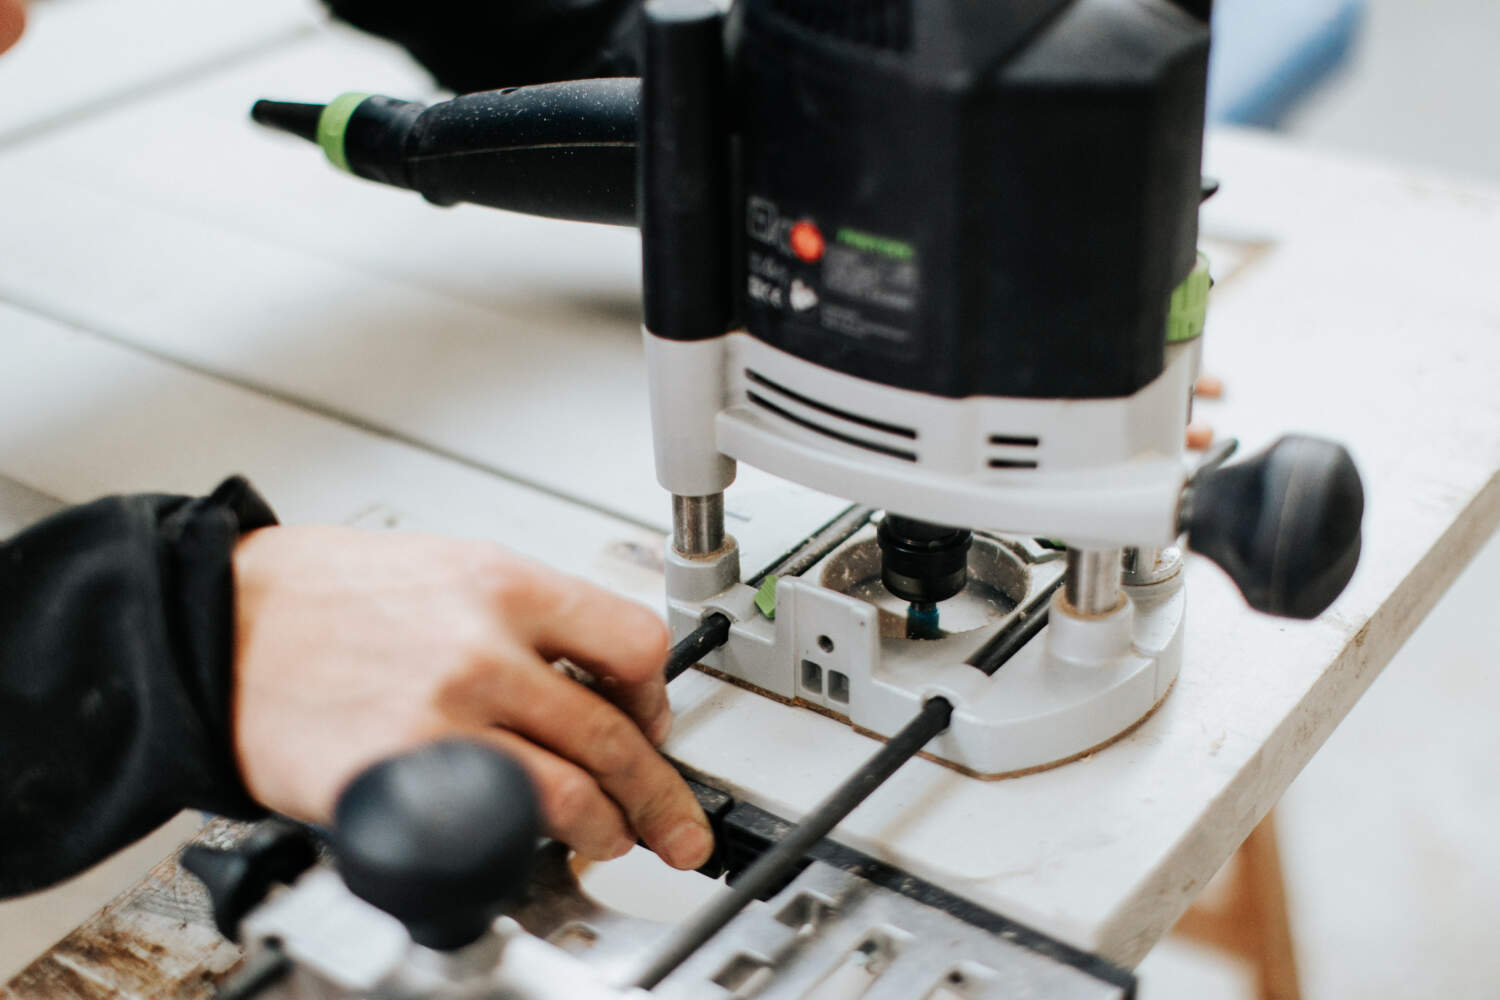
(509, 341)
(81, 56)
(81, 418)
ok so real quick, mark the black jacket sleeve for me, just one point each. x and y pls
(471, 45)
(116, 676)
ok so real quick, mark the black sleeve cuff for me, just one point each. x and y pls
(117, 676)
(196, 543)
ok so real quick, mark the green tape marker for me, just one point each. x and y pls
(1189, 307)
(765, 597)
(332, 124)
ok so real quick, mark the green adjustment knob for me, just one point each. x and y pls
(1189, 306)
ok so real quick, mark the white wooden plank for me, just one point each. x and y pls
(78, 55)
(511, 341)
(81, 418)
(563, 409)
(192, 149)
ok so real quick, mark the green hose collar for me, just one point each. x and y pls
(332, 124)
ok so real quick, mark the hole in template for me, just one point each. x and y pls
(854, 976)
(825, 644)
(743, 975)
(812, 677)
(804, 912)
(838, 686)
(956, 985)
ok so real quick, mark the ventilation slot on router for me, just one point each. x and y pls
(1014, 441)
(775, 396)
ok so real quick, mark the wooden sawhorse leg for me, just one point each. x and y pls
(1252, 922)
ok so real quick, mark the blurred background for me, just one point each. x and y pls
(1392, 868)
(1408, 81)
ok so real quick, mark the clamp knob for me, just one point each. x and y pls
(1285, 524)
(238, 879)
(440, 838)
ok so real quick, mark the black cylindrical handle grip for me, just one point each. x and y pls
(684, 172)
(440, 838)
(561, 150)
(1285, 524)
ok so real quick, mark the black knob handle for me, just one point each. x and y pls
(440, 838)
(239, 878)
(1285, 524)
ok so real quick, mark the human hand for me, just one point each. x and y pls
(12, 22)
(352, 646)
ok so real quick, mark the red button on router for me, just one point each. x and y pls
(807, 242)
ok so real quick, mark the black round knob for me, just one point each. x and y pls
(920, 562)
(440, 838)
(1285, 524)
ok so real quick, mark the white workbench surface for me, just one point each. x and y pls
(190, 297)
(80, 56)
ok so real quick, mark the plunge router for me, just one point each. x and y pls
(936, 257)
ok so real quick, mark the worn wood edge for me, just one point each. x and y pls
(1161, 899)
(155, 940)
